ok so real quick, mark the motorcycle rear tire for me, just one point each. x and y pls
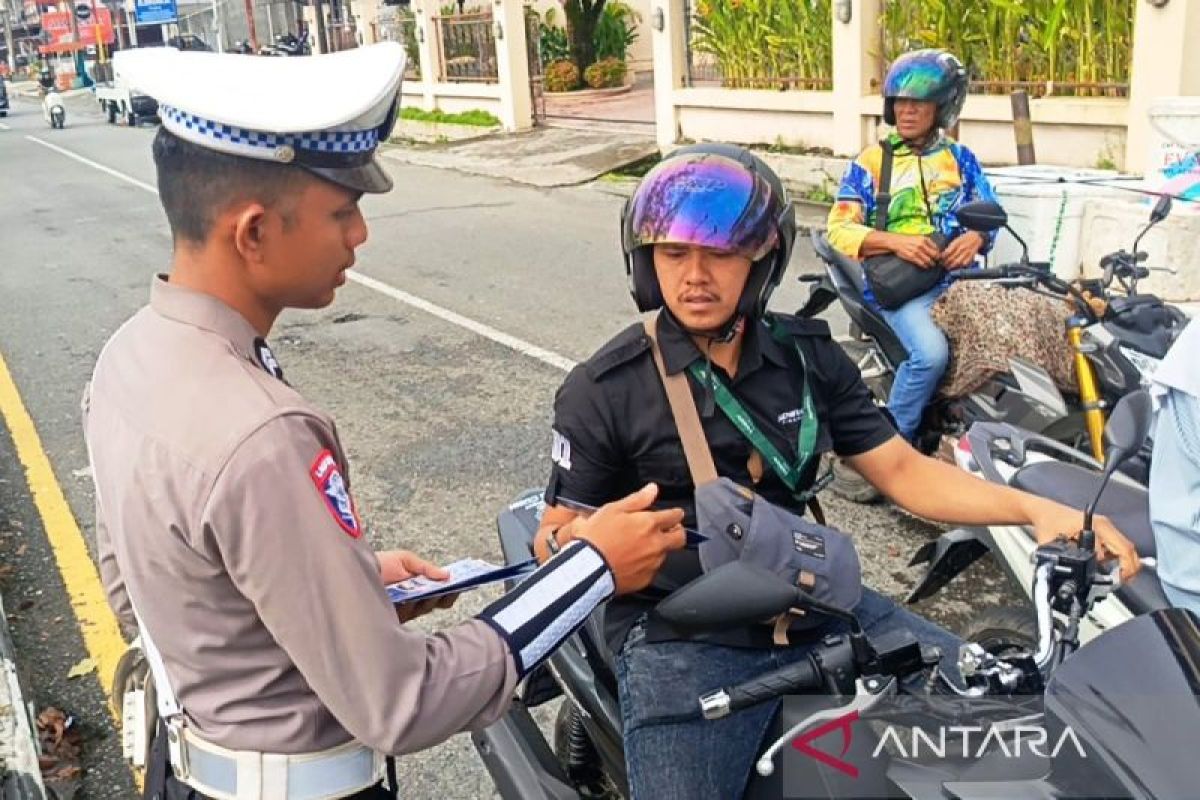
(1002, 630)
(849, 485)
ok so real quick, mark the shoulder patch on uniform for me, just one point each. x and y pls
(803, 326)
(327, 477)
(560, 450)
(266, 358)
(622, 348)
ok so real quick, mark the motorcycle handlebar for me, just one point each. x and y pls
(989, 274)
(804, 674)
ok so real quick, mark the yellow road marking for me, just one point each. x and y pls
(97, 623)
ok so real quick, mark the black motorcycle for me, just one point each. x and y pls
(1117, 334)
(1128, 698)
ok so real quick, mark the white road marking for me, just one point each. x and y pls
(521, 346)
(106, 170)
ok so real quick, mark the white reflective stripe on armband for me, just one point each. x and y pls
(538, 615)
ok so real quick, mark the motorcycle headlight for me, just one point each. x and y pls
(1146, 365)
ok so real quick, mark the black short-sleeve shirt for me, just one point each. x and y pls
(614, 432)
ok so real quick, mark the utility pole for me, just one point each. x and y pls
(322, 39)
(101, 58)
(6, 13)
(218, 33)
(250, 24)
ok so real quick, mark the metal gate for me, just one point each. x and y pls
(533, 49)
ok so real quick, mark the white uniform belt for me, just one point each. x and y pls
(242, 775)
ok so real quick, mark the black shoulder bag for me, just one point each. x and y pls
(893, 280)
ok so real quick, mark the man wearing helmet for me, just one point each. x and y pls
(931, 177)
(707, 236)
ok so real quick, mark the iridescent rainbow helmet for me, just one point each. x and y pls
(933, 75)
(711, 195)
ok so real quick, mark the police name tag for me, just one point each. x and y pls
(465, 575)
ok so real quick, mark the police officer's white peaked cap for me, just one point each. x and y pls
(326, 113)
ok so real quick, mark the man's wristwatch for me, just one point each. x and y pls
(552, 541)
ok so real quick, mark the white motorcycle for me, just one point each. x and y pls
(53, 110)
(1010, 456)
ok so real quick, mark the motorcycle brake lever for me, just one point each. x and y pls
(867, 694)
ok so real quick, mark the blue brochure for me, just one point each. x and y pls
(465, 575)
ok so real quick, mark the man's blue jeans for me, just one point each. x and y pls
(671, 751)
(928, 355)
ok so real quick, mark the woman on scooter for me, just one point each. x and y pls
(931, 176)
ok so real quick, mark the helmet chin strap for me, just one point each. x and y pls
(722, 335)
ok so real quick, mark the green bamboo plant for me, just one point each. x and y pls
(1079, 47)
(766, 43)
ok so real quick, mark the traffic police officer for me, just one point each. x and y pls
(226, 529)
(707, 236)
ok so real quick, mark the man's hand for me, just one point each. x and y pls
(940, 492)
(633, 540)
(1051, 520)
(400, 565)
(962, 251)
(920, 250)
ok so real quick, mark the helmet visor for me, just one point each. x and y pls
(923, 75)
(708, 201)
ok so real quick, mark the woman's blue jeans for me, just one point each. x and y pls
(928, 354)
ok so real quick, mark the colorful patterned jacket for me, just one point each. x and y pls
(949, 172)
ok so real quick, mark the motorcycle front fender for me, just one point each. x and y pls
(948, 556)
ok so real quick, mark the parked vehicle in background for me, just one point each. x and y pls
(119, 101)
(188, 41)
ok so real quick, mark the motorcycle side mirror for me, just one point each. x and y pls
(983, 216)
(1162, 209)
(1127, 428)
(729, 596)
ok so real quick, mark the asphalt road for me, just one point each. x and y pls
(443, 425)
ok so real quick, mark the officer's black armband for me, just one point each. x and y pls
(551, 604)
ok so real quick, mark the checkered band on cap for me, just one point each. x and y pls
(261, 144)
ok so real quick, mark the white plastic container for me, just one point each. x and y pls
(1171, 156)
(1045, 206)
(1174, 258)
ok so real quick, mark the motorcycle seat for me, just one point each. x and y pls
(1072, 485)
(1144, 593)
(849, 279)
(1127, 506)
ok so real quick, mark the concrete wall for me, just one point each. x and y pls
(1069, 131)
(1166, 62)
(1077, 132)
(452, 97)
(508, 99)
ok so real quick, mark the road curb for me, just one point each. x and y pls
(20, 774)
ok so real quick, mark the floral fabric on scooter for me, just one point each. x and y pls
(987, 325)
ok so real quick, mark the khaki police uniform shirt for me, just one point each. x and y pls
(220, 515)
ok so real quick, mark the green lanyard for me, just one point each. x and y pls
(806, 439)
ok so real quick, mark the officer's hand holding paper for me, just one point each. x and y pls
(397, 566)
